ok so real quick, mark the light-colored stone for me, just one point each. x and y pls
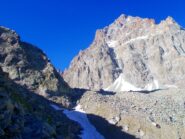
(125, 127)
(132, 54)
(153, 122)
(141, 133)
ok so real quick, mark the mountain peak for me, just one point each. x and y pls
(134, 44)
(130, 19)
(122, 18)
(9, 35)
(170, 20)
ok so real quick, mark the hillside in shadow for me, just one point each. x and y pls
(39, 117)
(108, 130)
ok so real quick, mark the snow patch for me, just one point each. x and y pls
(152, 86)
(171, 86)
(149, 87)
(137, 38)
(57, 108)
(156, 84)
(79, 115)
(121, 85)
(112, 44)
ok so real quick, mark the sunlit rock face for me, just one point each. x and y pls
(29, 66)
(132, 54)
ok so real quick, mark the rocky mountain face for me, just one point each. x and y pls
(140, 67)
(26, 115)
(29, 85)
(132, 54)
(28, 66)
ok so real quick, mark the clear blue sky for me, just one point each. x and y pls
(63, 27)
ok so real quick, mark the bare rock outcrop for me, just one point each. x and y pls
(132, 54)
(28, 66)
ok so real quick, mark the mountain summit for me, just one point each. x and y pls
(132, 54)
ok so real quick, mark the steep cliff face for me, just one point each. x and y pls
(28, 66)
(132, 54)
(93, 69)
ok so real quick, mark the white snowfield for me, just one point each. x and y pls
(78, 115)
(112, 44)
(136, 39)
(57, 108)
(121, 85)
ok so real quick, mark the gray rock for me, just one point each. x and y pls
(29, 66)
(131, 54)
(151, 123)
